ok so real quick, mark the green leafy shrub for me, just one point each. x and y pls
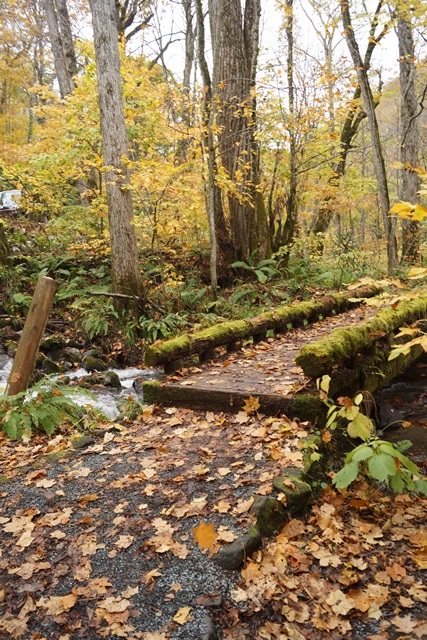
(384, 462)
(263, 270)
(43, 407)
(376, 459)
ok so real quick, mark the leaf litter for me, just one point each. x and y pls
(116, 540)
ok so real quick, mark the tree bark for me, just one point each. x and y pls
(291, 202)
(378, 158)
(350, 128)
(235, 39)
(61, 46)
(409, 137)
(126, 276)
(221, 249)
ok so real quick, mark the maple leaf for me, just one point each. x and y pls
(205, 535)
(182, 615)
(56, 605)
(124, 541)
(251, 405)
(405, 624)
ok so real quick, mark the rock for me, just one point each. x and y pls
(11, 349)
(73, 355)
(94, 353)
(208, 629)
(233, 556)
(298, 493)
(270, 513)
(79, 442)
(90, 363)
(50, 366)
(111, 379)
(52, 343)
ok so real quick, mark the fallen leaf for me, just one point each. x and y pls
(205, 535)
(182, 615)
(405, 624)
(56, 605)
(251, 405)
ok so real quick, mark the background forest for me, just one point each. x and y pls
(244, 153)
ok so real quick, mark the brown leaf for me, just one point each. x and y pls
(405, 624)
(56, 605)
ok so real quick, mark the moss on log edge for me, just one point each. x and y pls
(278, 320)
(318, 358)
(304, 407)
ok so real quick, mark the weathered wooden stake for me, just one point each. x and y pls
(26, 353)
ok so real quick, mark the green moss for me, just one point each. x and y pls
(224, 333)
(343, 344)
(152, 391)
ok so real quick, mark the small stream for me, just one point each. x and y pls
(107, 398)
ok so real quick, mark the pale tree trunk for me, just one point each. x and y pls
(289, 228)
(126, 276)
(378, 158)
(64, 59)
(409, 137)
(235, 39)
(350, 128)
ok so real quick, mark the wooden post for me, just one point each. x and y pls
(26, 353)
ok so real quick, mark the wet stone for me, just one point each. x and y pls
(233, 556)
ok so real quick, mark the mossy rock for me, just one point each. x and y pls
(232, 556)
(91, 363)
(52, 343)
(270, 513)
(298, 493)
(49, 366)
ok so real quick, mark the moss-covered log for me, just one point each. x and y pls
(279, 320)
(344, 344)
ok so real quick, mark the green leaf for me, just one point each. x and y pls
(362, 453)
(346, 476)
(420, 486)
(358, 399)
(381, 467)
(361, 427)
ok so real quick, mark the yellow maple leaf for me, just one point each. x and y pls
(251, 405)
(205, 535)
(182, 615)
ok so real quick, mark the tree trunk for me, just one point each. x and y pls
(354, 117)
(409, 137)
(62, 45)
(235, 40)
(126, 276)
(378, 158)
(291, 202)
(221, 248)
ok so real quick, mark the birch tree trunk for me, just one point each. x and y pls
(126, 276)
(378, 158)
